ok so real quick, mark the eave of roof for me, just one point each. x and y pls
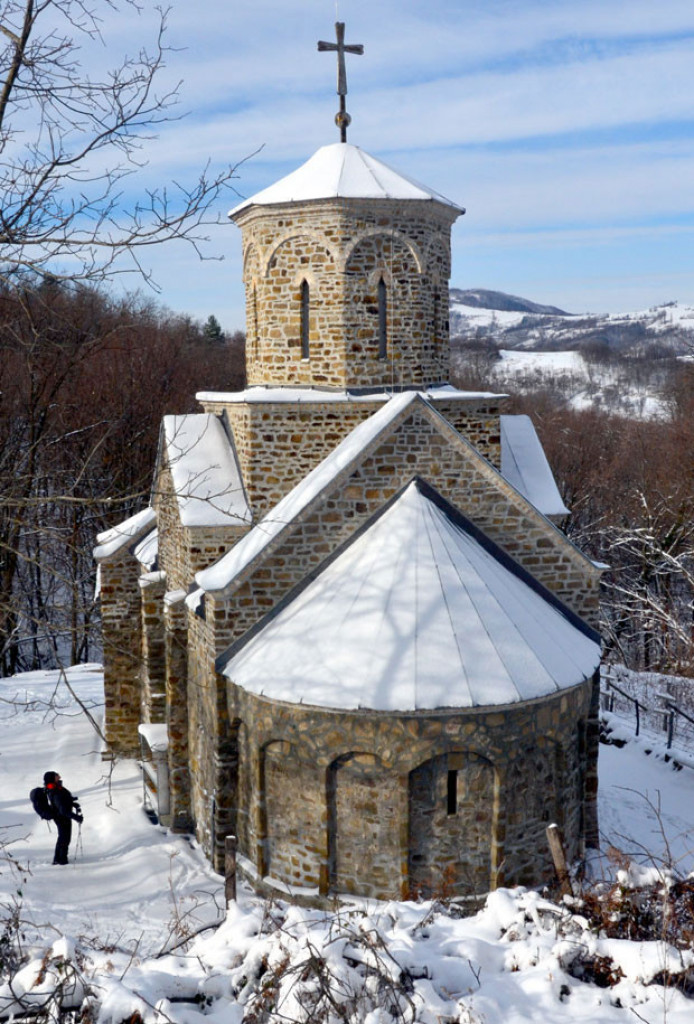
(111, 541)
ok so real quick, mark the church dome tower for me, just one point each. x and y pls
(346, 268)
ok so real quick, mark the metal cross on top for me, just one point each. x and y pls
(342, 118)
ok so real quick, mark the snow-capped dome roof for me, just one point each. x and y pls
(346, 172)
(420, 611)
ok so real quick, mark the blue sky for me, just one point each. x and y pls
(565, 128)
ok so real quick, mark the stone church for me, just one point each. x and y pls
(347, 628)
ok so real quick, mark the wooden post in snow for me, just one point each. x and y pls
(556, 846)
(230, 868)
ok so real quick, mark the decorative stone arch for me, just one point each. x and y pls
(251, 280)
(399, 236)
(288, 236)
(364, 816)
(378, 317)
(305, 274)
(251, 259)
(453, 824)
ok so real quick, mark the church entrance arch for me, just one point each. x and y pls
(363, 825)
(451, 824)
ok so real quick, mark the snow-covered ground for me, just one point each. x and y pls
(670, 325)
(113, 924)
(582, 384)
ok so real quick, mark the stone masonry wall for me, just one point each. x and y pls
(342, 248)
(212, 744)
(176, 635)
(278, 443)
(172, 554)
(122, 633)
(327, 800)
(153, 670)
(194, 711)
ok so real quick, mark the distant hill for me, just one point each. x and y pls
(510, 322)
(483, 298)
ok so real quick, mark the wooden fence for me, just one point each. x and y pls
(652, 709)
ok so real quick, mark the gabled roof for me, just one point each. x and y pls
(131, 529)
(524, 464)
(419, 611)
(346, 172)
(232, 566)
(206, 478)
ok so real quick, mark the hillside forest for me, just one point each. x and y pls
(87, 378)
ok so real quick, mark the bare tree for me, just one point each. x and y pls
(85, 381)
(70, 144)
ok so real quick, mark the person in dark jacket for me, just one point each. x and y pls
(66, 809)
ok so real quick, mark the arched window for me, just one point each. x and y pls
(382, 319)
(305, 313)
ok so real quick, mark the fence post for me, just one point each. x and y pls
(670, 726)
(230, 868)
(556, 845)
(638, 719)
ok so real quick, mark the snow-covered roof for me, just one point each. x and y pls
(343, 171)
(524, 464)
(206, 477)
(221, 574)
(111, 541)
(230, 566)
(259, 393)
(147, 550)
(420, 611)
(156, 735)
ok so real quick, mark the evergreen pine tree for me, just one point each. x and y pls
(212, 330)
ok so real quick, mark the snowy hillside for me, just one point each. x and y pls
(512, 323)
(582, 383)
(126, 932)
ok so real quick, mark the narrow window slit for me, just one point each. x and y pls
(452, 792)
(305, 313)
(382, 319)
